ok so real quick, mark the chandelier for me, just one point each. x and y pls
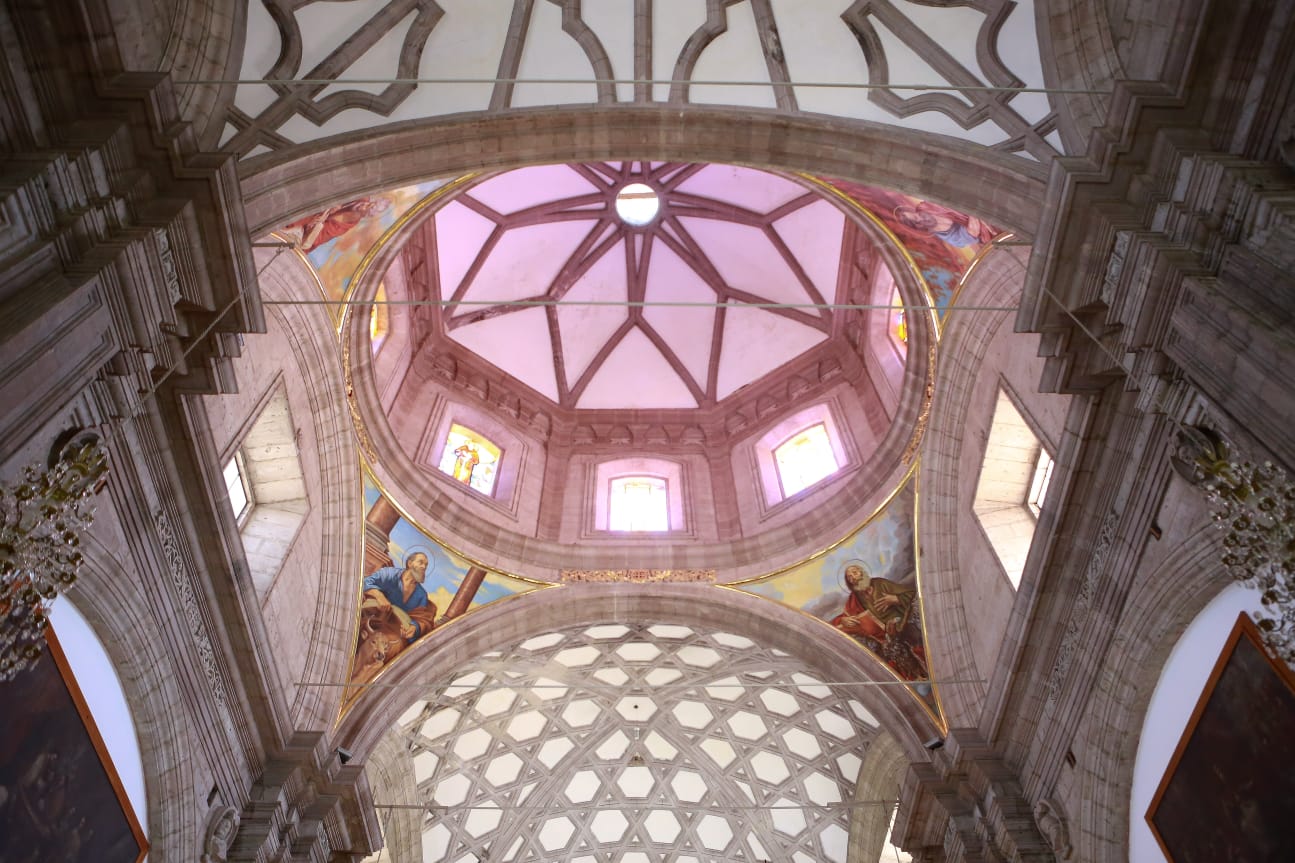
(1254, 506)
(42, 518)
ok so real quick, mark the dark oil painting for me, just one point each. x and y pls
(60, 798)
(1229, 791)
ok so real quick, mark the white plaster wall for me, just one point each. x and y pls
(98, 681)
(472, 39)
(1181, 683)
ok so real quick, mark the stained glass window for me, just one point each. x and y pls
(804, 459)
(639, 503)
(470, 458)
(898, 321)
(379, 319)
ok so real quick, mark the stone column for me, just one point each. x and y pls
(977, 797)
(467, 590)
(377, 530)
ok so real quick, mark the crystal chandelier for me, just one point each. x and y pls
(1254, 505)
(42, 517)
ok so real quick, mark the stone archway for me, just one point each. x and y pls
(117, 609)
(768, 623)
(306, 178)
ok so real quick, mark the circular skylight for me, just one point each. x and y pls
(637, 204)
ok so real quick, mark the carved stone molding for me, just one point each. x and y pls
(222, 827)
(1051, 819)
(638, 576)
(182, 581)
(972, 800)
(1083, 600)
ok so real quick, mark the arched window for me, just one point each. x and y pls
(898, 322)
(804, 459)
(470, 458)
(638, 495)
(800, 452)
(639, 503)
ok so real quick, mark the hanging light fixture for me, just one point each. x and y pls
(1254, 506)
(42, 518)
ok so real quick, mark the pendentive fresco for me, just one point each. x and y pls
(411, 585)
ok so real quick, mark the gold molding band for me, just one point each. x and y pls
(639, 576)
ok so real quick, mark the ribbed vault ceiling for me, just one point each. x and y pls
(627, 744)
(723, 235)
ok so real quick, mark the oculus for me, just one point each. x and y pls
(637, 204)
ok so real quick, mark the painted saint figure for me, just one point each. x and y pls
(950, 226)
(395, 611)
(313, 231)
(399, 592)
(466, 459)
(884, 615)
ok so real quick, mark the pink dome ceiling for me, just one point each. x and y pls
(724, 241)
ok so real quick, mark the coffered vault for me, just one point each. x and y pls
(644, 742)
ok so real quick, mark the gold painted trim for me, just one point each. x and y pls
(923, 413)
(910, 475)
(351, 695)
(362, 268)
(882, 507)
(874, 657)
(966, 274)
(928, 393)
(310, 268)
(894, 241)
(367, 471)
(941, 717)
(370, 452)
(354, 693)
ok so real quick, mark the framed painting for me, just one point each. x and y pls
(60, 798)
(1228, 792)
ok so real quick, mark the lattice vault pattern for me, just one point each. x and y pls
(633, 744)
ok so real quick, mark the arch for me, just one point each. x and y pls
(203, 42)
(1091, 44)
(118, 611)
(995, 282)
(302, 179)
(1078, 53)
(339, 498)
(709, 607)
(1159, 609)
(879, 779)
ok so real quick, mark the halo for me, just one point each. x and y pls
(854, 561)
(425, 552)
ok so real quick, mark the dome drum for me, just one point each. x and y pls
(523, 302)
